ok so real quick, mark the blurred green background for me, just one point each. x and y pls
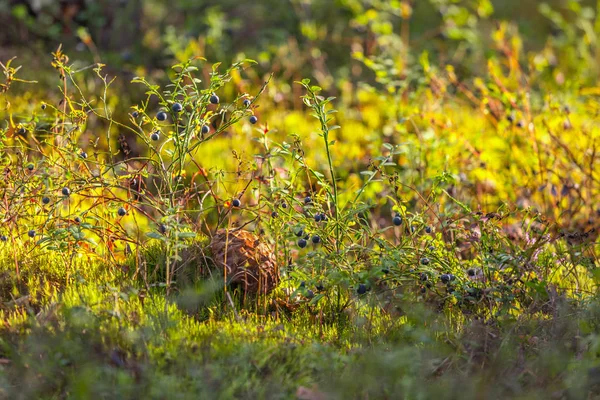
(292, 38)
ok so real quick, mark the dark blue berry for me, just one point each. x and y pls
(423, 276)
(77, 220)
(205, 129)
(247, 103)
(427, 229)
(30, 167)
(214, 99)
(424, 260)
(471, 272)
(320, 287)
(300, 233)
(302, 284)
(302, 243)
(310, 294)
(83, 155)
(43, 106)
(318, 217)
(316, 239)
(253, 119)
(22, 131)
(284, 205)
(274, 214)
(135, 114)
(397, 220)
(162, 228)
(445, 278)
(431, 248)
(31, 233)
(121, 211)
(155, 136)
(307, 200)
(3, 238)
(236, 203)
(161, 116)
(45, 200)
(385, 270)
(66, 191)
(362, 289)
(177, 107)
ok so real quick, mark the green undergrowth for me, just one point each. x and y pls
(105, 335)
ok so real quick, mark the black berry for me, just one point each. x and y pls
(3, 238)
(316, 239)
(427, 229)
(77, 220)
(205, 129)
(155, 136)
(274, 214)
(66, 191)
(30, 167)
(423, 276)
(300, 233)
(214, 99)
(135, 114)
(253, 119)
(247, 103)
(43, 106)
(121, 211)
(471, 272)
(445, 278)
(302, 243)
(362, 289)
(45, 200)
(177, 107)
(31, 233)
(307, 200)
(318, 217)
(236, 203)
(424, 260)
(83, 155)
(397, 220)
(161, 116)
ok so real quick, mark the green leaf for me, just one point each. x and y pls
(316, 299)
(186, 235)
(156, 235)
